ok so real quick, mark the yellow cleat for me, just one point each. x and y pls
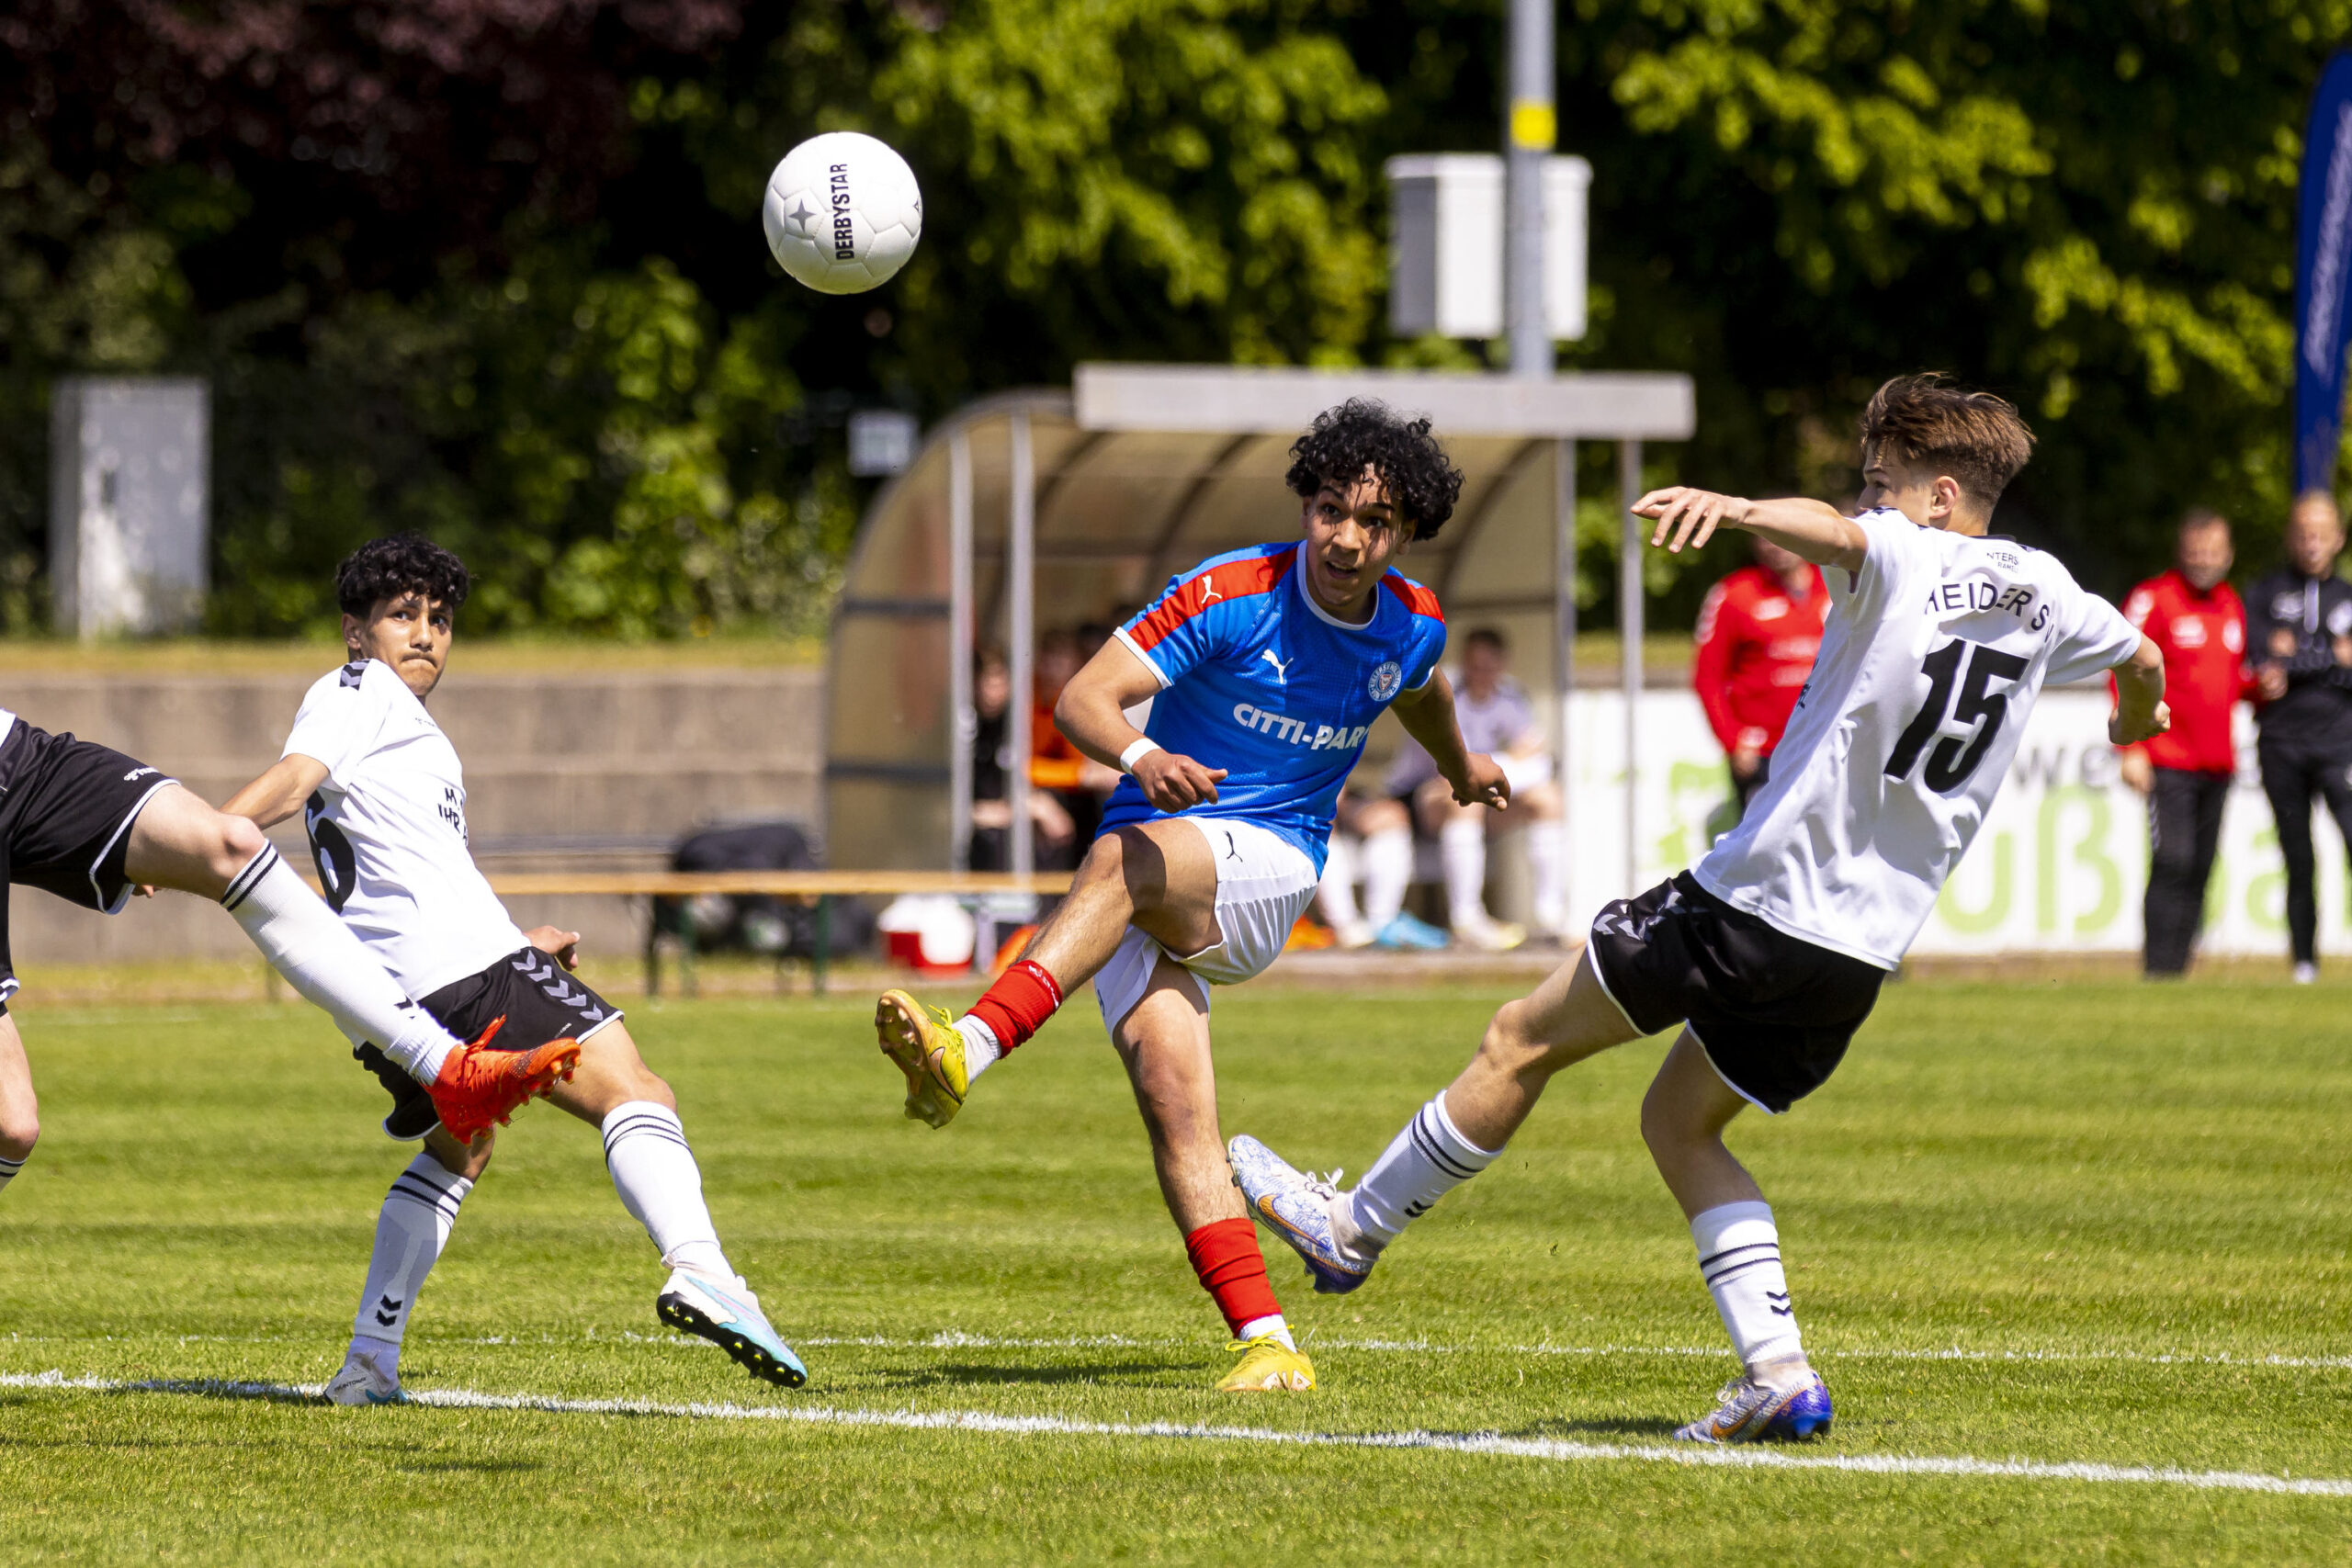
(1267, 1366)
(922, 1041)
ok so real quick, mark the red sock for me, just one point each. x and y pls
(1225, 1254)
(1017, 1006)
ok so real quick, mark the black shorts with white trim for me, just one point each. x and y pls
(1773, 1012)
(538, 999)
(66, 807)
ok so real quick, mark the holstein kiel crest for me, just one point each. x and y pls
(1385, 680)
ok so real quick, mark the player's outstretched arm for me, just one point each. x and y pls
(1813, 529)
(1091, 713)
(1428, 716)
(279, 793)
(2140, 707)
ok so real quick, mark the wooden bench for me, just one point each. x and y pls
(818, 888)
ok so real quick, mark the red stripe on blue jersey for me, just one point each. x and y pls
(1412, 596)
(1229, 580)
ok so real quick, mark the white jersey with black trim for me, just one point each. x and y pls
(388, 830)
(1936, 648)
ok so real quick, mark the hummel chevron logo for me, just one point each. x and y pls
(1281, 671)
(388, 1311)
(1778, 1301)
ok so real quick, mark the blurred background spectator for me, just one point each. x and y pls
(1760, 630)
(1076, 783)
(1496, 719)
(1372, 842)
(991, 756)
(2193, 615)
(2299, 622)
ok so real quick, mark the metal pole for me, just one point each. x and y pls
(963, 719)
(1529, 128)
(1022, 564)
(1629, 622)
(1564, 629)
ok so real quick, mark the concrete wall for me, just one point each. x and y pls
(562, 771)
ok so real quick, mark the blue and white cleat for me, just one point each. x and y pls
(362, 1381)
(727, 1314)
(1747, 1412)
(1300, 1207)
(1408, 933)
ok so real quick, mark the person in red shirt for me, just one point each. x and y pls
(1758, 632)
(2193, 615)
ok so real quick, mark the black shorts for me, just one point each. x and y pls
(530, 990)
(1775, 1013)
(66, 808)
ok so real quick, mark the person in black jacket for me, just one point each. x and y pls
(2298, 626)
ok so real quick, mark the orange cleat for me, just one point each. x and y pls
(479, 1085)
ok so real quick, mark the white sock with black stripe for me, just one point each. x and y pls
(1428, 1159)
(411, 1230)
(308, 943)
(1739, 1257)
(8, 1170)
(654, 1171)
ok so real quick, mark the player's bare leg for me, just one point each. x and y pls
(1683, 1118)
(178, 841)
(1164, 1044)
(1159, 877)
(1567, 1019)
(659, 1182)
(19, 1112)
(1457, 1135)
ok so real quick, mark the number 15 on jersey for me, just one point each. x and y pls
(1972, 667)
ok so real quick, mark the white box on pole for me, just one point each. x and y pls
(130, 504)
(1446, 250)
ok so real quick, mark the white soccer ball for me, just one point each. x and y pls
(843, 212)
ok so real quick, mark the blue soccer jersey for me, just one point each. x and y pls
(1258, 679)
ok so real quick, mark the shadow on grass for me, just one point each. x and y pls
(468, 1466)
(968, 1375)
(224, 1387)
(1633, 1426)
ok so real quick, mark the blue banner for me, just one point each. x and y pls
(2323, 271)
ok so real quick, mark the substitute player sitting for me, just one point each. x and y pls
(384, 800)
(1266, 668)
(1771, 952)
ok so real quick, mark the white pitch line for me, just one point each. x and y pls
(1486, 1444)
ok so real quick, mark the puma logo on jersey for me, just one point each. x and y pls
(1281, 671)
(1209, 595)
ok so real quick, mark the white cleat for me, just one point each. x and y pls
(361, 1382)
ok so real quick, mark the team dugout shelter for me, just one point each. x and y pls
(1041, 508)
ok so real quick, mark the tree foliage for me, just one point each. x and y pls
(490, 268)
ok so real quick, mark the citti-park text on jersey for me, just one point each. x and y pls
(1974, 594)
(1295, 730)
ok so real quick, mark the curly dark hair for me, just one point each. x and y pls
(1363, 433)
(386, 568)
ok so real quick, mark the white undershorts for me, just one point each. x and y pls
(1264, 884)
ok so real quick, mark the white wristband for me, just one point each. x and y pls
(1144, 747)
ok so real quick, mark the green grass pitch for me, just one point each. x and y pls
(2090, 1223)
